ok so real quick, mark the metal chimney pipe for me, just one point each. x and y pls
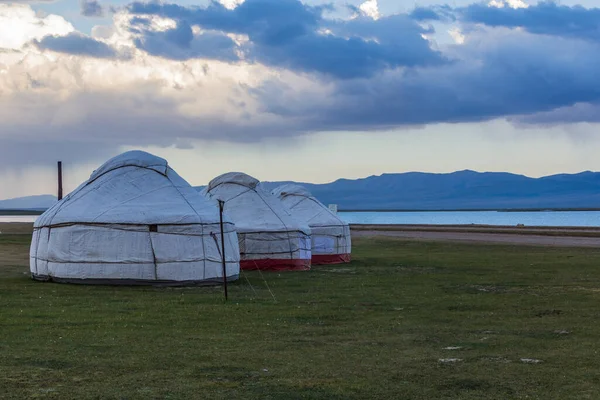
(60, 183)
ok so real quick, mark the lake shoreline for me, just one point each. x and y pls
(10, 212)
(515, 210)
(414, 229)
(476, 218)
(16, 212)
(517, 231)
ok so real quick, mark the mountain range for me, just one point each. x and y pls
(40, 202)
(461, 190)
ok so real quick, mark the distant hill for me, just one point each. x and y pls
(459, 190)
(462, 190)
(40, 202)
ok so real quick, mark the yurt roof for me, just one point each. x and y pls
(291, 189)
(132, 188)
(237, 178)
(306, 207)
(134, 158)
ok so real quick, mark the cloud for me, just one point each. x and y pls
(546, 17)
(181, 43)
(15, 153)
(508, 3)
(91, 8)
(166, 74)
(76, 43)
(433, 13)
(264, 21)
(19, 24)
(501, 74)
(88, 101)
(292, 35)
(587, 112)
(370, 8)
(231, 4)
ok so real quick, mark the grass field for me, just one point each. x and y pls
(376, 328)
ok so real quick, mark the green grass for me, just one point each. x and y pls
(375, 328)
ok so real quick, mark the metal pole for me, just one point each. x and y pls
(221, 205)
(60, 185)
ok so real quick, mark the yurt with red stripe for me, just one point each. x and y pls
(270, 238)
(331, 242)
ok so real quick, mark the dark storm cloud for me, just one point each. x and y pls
(290, 34)
(90, 122)
(508, 75)
(547, 18)
(48, 151)
(434, 13)
(265, 21)
(354, 80)
(180, 43)
(76, 43)
(91, 8)
(588, 112)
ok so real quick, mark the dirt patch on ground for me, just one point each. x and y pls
(520, 229)
(504, 238)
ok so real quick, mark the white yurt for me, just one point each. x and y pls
(269, 237)
(330, 235)
(134, 221)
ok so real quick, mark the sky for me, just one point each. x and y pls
(310, 90)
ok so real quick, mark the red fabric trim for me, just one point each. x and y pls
(323, 259)
(275, 265)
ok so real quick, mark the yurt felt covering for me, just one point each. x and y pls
(331, 242)
(134, 221)
(269, 237)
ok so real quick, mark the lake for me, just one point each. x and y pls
(540, 218)
(18, 218)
